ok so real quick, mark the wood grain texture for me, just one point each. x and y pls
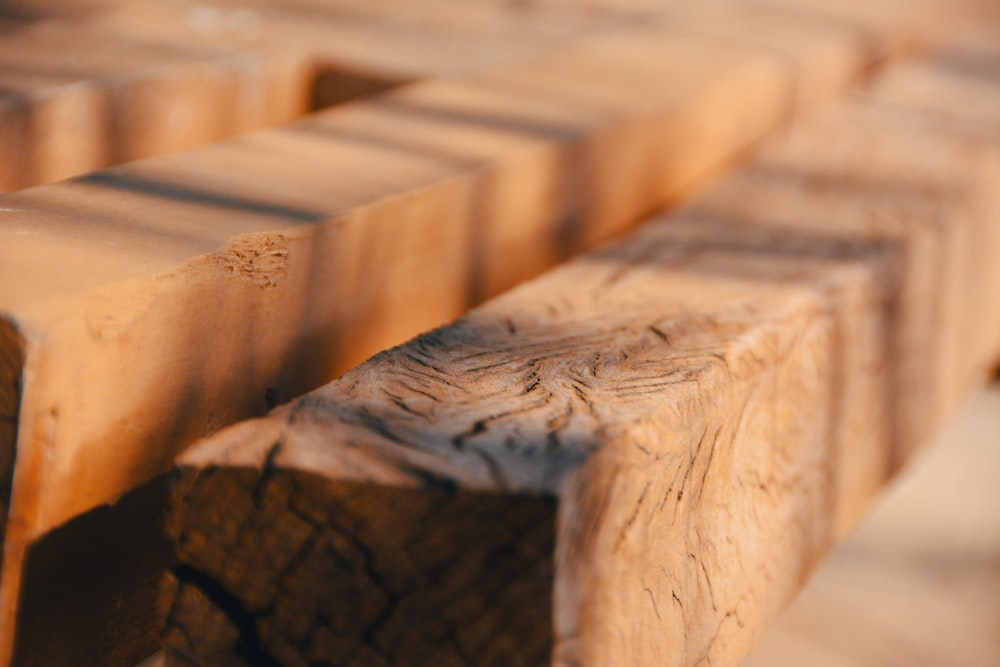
(712, 403)
(513, 169)
(84, 87)
(165, 299)
(918, 583)
(162, 300)
(392, 561)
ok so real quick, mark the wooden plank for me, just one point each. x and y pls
(74, 100)
(449, 37)
(411, 169)
(900, 591)
(85, 87)
(165, 299)
(563, 164)
(683, 423)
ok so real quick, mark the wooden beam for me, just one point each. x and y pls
(408, 40)
(87, 87)
(682, 423)
(165, 299)
(84, 88)
(75, 99)
(533, 161)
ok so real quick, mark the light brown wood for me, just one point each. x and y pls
(543, 172)
(75, 99)
(402, 211)
(164, 299)
(84, 86)
(690, 419)
(917, 584)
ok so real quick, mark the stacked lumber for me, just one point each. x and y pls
(146, 306)
(84, 86)
(87, 86)
(636, 458)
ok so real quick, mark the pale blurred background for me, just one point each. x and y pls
(919, 584)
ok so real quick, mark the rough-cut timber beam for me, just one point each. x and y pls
(682, 423)
(163, 300)
(160, 301)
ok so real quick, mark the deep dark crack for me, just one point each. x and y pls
(248, 645)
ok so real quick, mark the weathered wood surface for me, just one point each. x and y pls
(156, 302)
(542, 172)
(917, 585)
(684, 423)
(84, 86)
